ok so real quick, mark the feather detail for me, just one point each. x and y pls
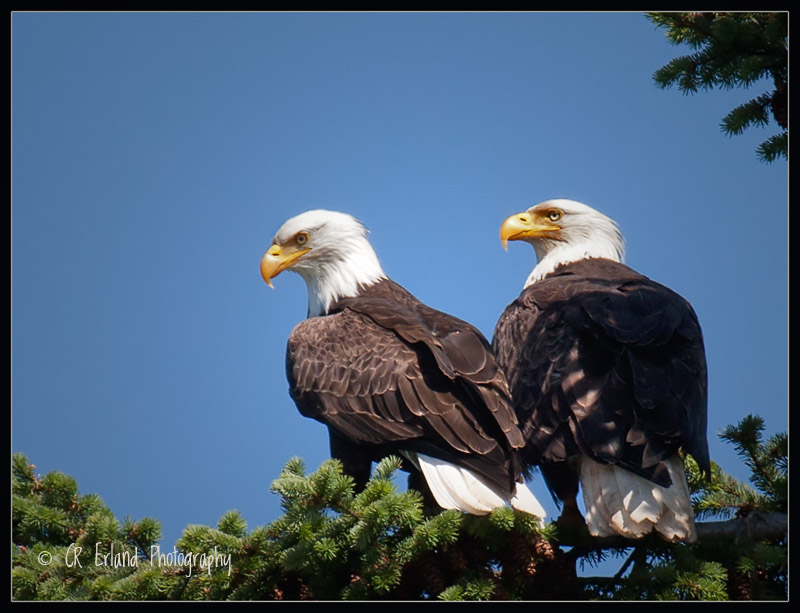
(620, 502)
(524, 500)
(678, 523)
(455, 487)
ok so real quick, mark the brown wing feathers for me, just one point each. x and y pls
(604, 361)
(384, 371)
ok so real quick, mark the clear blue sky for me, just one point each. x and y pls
(156, 154)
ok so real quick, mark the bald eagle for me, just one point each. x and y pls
(389, 375)
(607, 372)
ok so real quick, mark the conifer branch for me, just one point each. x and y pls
(733, 50)
(332, 543)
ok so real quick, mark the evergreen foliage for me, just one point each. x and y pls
(728, 565)
(64, 544)
(332, 543)
(733, 50)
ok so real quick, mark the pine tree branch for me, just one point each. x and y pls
(636, 555)
(732, 50)
(756, 526)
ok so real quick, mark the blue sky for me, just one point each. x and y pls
(154, 155)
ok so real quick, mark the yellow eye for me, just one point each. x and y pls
(554, 215)
(301, 238)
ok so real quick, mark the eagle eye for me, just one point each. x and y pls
(301, 238)
(554, 215)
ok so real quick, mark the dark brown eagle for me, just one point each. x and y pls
(389, 375)
(607, 372)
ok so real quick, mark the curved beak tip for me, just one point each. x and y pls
(267, 270)
(276, 261)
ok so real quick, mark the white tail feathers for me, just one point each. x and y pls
(524, 500)
(455, 487)
(620, 502)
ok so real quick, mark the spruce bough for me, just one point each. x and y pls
(331, 543)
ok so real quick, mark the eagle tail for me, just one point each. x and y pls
(524, 500)
(455, 487)
(620, 502)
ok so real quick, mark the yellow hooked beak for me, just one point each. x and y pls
(276, 260)
(524, 225)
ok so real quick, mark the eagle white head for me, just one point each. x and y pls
(563, 231)
(329, 250)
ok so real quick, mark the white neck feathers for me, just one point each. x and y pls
(338, 260)
(564, 253)
(584, 233)
(341, 274)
